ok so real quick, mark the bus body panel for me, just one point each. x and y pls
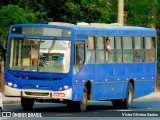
(111, 82)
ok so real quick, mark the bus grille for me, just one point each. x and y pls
(36, 94)
(37, 78)
(34, 87)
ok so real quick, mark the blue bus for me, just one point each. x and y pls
(69, 64)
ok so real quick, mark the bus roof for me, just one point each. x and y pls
(99, 30)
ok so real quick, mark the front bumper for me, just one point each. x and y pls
(38, 94)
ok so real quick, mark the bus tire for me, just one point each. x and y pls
(27, 103)
(127, 102)
(79, 105)
(82, 105)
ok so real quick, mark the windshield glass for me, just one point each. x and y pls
(38, 55)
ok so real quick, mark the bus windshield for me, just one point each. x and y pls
(39, 55)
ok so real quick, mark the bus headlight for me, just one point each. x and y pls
(66, 87)
(10, 84)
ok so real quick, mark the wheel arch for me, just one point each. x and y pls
(133, 84)
(88, 85)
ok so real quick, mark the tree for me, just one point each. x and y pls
(12, 14)
(141, 13)
(89, 11)
(158, 17)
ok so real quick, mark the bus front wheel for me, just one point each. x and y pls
(27, 103)
(79, 105)
(82, 105)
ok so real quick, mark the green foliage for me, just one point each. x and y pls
(141, 13)
(158, 32)
(88, 11)
(12, 14)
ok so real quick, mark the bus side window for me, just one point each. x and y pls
(79, 55)
(150, 55)
(150, 49)
(139, 56)
(110, 57)
(118, 45)
(100, 49)
(127, 50)
(90, 55)
(149, 42)
(139, 53)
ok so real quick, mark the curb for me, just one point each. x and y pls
(152, 96)
(11, 100)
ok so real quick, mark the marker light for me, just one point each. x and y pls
(66, 87)
(60, 88)
(21, 69)
(10, 84)
(15, 85)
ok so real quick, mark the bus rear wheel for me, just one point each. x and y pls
(27, 103)
(127, 102)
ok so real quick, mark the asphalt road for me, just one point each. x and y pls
(146, 109)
